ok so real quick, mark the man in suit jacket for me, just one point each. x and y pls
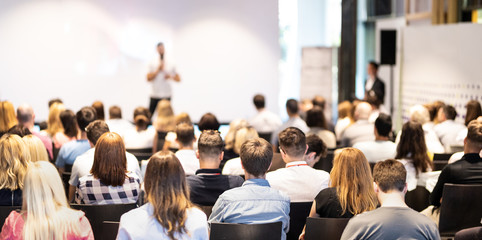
(374, 86)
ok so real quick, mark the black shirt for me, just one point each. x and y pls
(10, 198)
(328, 205)
(208, 184)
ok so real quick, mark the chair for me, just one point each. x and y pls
(161, 139)
(234, 231)
(109, 230)
(65, 180)
(438, 165)
(460, 208)
(265, 136)
(97, 214)
(326, 163)
(325, 228)
(442, 156)
(299, 211)
(5, 211)
(277, 162)
(418, 199)
(141, 154)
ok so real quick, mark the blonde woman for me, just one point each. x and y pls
(168, 213)
(36, 148)
(14, 158)
(233, 166)
(54, 125)
(45, 212)
(164, 123)
(7, 117)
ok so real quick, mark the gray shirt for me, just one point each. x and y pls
(391, 223)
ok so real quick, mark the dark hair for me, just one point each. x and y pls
(374, 64)
(208, 122)
(383, 124)
(433, 109)
(473, 111)
(69, 122)
(319, 101)
(19, 130)
(256, 155)
(115, 112)
(85, 116)
(110, 162)
(99, 109)
(315, 117)
(95, 129)
(55, 100)
(449, 112)
(259, 101)
(390, 175)
(185, 133)
(316, 145)
(142, 111)
(210, 143)
(412, 145)
(292, 106)
(160, 44)
(142, 118)
(292, 141)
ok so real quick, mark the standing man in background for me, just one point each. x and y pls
(374, 86)
(158, 76)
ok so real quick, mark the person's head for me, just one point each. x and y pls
(160, 48)
(352, 178)
(242, 135)
(142, 118)
(69, 123)
(256, 155)
(389, 176)
(420, 114)
(315, 117)
(96, 129)
(292, 107)
(319, 101)
(345, 110)
(19, 130)
(292, 143)
(362, 111)
(142, 111)
(55, 100)
(316, 149)
(54, 125)
(115, 112)
(208, 122)
(7, 116)
(36, 148)
(185, 134)
(372, 68)
(259, 101)
(183, 118)
(474, 110)
(433, 109)
(446, 112)
(210, 146)
(412, 145)
(99, 109)
(85, 116)
(25, 115)
(110, 162)
(167, 191)
(473, 141)
(14, 158)
(383, 125)
(230, 137)
(165, 121)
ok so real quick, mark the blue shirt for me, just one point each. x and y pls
(70, 151)
(253, 203)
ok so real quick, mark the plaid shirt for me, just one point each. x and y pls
(91, 191)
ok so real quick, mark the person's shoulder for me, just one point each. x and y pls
(196, 213)
(276, 173)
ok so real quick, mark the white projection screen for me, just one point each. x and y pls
(82, 51)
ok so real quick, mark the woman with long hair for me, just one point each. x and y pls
(170, 142)
(109, 181)
(168, 213)
(45, 211)
(36, 148)
(164, 123)
(141, 136)
(7, 117)
(70, 130)
(474, 111)
(412, 152)
(54, 125)
(14, 159)
(345, 118)
(316, 121)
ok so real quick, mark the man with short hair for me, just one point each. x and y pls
(255, 201)
(394, 219)
(116, 123)
(208, 183)
(294, 120)
(362, 129)
(447, 130)
(316, 149)
(26, 118)
(186, 154)
(374, 86)
(382, 148)
(264, 121)
(298, 180)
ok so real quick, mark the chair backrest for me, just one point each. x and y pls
(277, 162)
(5, 211)
(418, 199)
(65, 180)
(326, 163)
(461, 208)
(438, 165)
(441, 156)
(265, 136)
(234, 231)
(325, 228)
(299, 211)
(141, 154)
(109, 230)
(97, 214)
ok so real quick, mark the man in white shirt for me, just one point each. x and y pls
(186, 154)
(83, 163)
(298, 180)
(447, 130)
(294, 120)
(265, 121)
(361, 130)
(116, 123)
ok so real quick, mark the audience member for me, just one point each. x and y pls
(294, 120)
(316, 150)
(447, 130)
(345, 118)
(170, 142)
(70, 129)
(168, 213)
(26, 118)
(19, 130)
(264, 121)
(255, 201)
(382, 148)
(320, 101)
(7, 117)
(140, 136)
(116, 123)
(36, 148)
(361, 130)
(294, 178)
(164, 123)
(109, 181)
(474, 110)
(208, 122)
(433, 109)
(233, 166)
(230, 139)
(45, 212)
(186, 154)
(315, 119)
(44, 124)
(394, 219)
(54, 125)
(99, 110)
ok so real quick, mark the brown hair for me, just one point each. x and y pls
(167, 192)
(352, 178)
(210, 144)
(99, 109)
(474, 134)
(69, 123)
(293, 142)
(183, 118)
(185, 134)
(256, 155)
(95, 129)
(412, 145)
(316, 118)
(473, 111)
(208, 122)
(110, 163)
(390, 175)
(165, 120)
(7, 116)
(115, 112)
(345, 110)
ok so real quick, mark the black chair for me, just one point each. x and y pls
(418, 199)
(234, 231)
(326, 163)
(109, 230)
(442, 156)
(6, 210)
(97, 214)
(277, 162)
(461, 208)
(299, 211)
(68, 168)
(325, 228)
(65, 180)
(438, 165)
(141, 154)
(265, 136)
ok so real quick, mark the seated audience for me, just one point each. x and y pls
(109, 181)
(316, 150)
(382, 148)
(293, 179)
(315, 119)
(233, 166)
(320, 101)
(164, 123)
(99, 109)
(230, 139)
(474, 110)
(208, 122)
(36, 148)
(21, 131)
(168, 213)
(140, 136)
(394, 219)
(7, 117)
(70, 129)
(264, 121)
(26, 118)
(116, 123)
(186, 154)
(361, 130)
(208, 183)
(433, 109)
(170, 142)
(294, 120)
(447, 130)
(14, 159)
(45, 212)
(255, 201)
(345, 118)
(54, 125)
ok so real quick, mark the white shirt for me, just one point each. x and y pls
(431, 139)
(188, 160)
(119, 126)
(83, 165)
(376, 151)
(265, 121)
(447, 132)
(161, 87)
(340, 127)
(233, 167)
(369, 85)
(328, 137)
(299, 181)
(412, 179)
(140, 224)
(134, 139)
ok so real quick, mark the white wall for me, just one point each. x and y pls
(81, 51)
